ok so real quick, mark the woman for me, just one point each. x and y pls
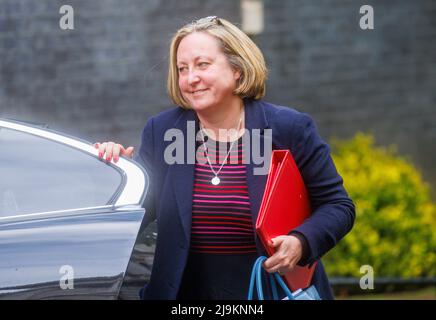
(206, 211)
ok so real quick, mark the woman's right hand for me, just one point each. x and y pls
(111, 150)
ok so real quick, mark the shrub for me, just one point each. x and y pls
(395, 227)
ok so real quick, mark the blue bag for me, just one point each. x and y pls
(256, 278)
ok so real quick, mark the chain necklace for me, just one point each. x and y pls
(216, 180)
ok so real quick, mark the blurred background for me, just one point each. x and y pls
(371, 92)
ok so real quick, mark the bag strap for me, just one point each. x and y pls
(259, 278)
(256, 278)
(252, 279)
(282, 284)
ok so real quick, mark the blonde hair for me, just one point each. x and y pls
(241, 52)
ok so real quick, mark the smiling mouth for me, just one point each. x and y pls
(198, 91)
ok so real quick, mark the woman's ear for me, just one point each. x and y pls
(237, 74)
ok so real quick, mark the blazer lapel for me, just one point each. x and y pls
(182, 175)
(255, 119)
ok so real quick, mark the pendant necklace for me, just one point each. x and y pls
(216, 180)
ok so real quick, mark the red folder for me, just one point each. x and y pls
(285, 205)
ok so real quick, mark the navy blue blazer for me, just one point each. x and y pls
(169, 200)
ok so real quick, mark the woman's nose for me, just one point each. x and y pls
(193, 77)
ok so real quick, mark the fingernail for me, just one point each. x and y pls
(100, 154)
(108, 158)
(116, 159)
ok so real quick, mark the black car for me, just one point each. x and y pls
(70, 223)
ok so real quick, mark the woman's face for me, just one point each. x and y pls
(205, 77)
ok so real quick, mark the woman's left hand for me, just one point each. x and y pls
(288, 252)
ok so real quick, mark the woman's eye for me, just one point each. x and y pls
(181, 69)
(203, 64)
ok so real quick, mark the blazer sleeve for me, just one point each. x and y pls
(333, 211)
(146, 159)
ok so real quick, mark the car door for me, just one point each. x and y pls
(68, 220)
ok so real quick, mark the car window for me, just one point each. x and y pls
(40, 175)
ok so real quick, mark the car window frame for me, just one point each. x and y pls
(129, 169)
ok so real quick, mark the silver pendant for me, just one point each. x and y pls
(215, 181)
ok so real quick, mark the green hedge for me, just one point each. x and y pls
(395, 227)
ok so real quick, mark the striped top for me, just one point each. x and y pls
(221, 216)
